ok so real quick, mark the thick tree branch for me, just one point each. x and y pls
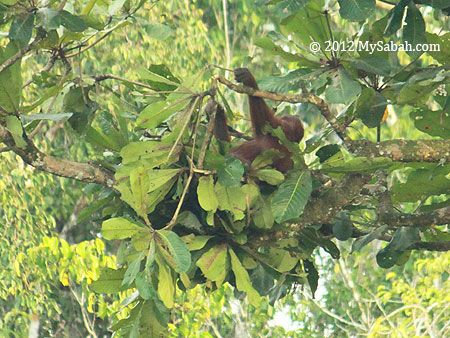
(293, 98)
(322, 209)
(80, 171)
(404, 150)
(417, 219)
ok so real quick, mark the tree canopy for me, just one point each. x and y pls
(112, 95)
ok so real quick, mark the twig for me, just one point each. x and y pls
(47, 67)
(186, 122)
(20, 53)
(191, 173)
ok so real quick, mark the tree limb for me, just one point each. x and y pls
(80, 171)
(404, 150)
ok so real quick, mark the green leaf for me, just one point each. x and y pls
(356, 10)
(343, 88)
(434, 123)
(120, 228)
(136, 151)
(267, 44)
(214, 264)
(372, 116)
(48, 18)
(145, 289)
(159, 177)
(178, 250)
(132, 271)
(206, 193)
(395, 18)
(155, 113)
(291, 197)
(285, 8)
(372, 64)
(271, 176)
(110, 281)
(159, 31)
(313, 275)
(196, 242)
(231, 174)
(232, 199)
(140, 183)
(189, 220)
(282, 259)
(420, 184)
(72, 22)
(10, 80)
(264, 218)
(82, 108)
(14, 126)
(148, 75)
(326, 152)
(166, 285)
(414, 31)
(343, 229)
(21, 29)
(115, 6)
(243, 282)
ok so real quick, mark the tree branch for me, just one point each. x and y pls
(404, 150)
(417, 219)
(322, 209)
(293, 98)
(80, 171)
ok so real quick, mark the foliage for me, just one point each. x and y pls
(184, 212)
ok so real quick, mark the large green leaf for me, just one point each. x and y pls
(110, 281)
(21, 29)
(206, 193)
(120, 228)
(420, 184)
(343, 88)
(10, 80)
(135, 151)
(177, 249)
(396, 17)
(232, 199)
(215, 264)
(434, 123)
(155, 113)
(72, 22)
(414, 31)
(140, 184)
(133, 270)
(166, 284)
(243, 282)
(356, 10)
(291, 197)
(232, 173)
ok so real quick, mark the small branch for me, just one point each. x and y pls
(20, 53)
(92, 44)
(404, 150)
(293, 98)
(47, 67)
